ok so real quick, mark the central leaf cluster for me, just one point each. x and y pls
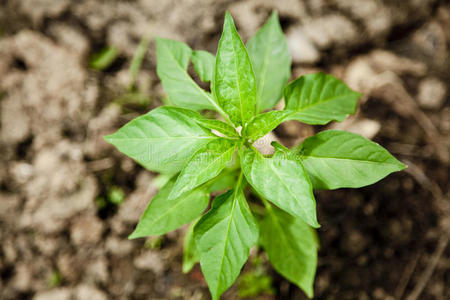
(203, 156)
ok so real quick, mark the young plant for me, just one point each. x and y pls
(199, 154)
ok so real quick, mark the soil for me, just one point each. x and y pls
(60, 238)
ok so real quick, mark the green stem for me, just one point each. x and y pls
(239, 182)
(258, 209)
(266, 203)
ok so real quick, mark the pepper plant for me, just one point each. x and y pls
(204, 156)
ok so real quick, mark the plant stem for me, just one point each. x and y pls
(266, 203)
(239, 182)
(258, 209)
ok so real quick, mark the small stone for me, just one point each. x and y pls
(37, 10)
(14, 122)
(52, 215)
(263, 144)
(359, 75)
(9, 251)
(150, 261)
(10, 203)
(99, 126)
(85, 291)
(98, 270)
(119, 247)
(247, 17)
(430, 44)
(55, 294)
(354, 243)
(365, 127)
(296, 129)
(431, 94)
(21, 172)
(86, 230)
(133, 207)
(380, 293)
(119, 227)
(47, 245)
(332, 30)
(375, 16)
(301, 48)
(22, 277)
(383, 60)
(250, 15)
(443, 16)
(301, 71)
(70, 266)
(71, 38)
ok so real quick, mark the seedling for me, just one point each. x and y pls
(199, 154)
(54, 279)
(103, 59)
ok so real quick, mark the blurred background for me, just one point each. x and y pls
(68, 200)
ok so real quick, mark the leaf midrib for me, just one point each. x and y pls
(172, 207)
(216, 159)
(227, 237)
(164, 138)
(287, 187)
(205, 169)
(284, 235)
(348, 159)
(263, 71)
(230, 29)
(203, 92)
(235, 199)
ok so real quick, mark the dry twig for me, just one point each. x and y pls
(426, 274)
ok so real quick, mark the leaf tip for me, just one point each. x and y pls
(134, 235)
(109, 138)
(401, 166)
(185, 269)
(315, 224)
(274, 15)
(309, 292)
(229, 21)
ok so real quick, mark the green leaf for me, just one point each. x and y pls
(203, 64)
(217, 125)
(283, 181)
(264, 123)
(162, 140)
(204, 165)
(223, 238)
(234, 81)
(291, 246)
(319, 98)
(336, 159)
(271, 62)
(163, 214)
(103, 59)
(173, 59)
(190, 253)
(224, 181)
